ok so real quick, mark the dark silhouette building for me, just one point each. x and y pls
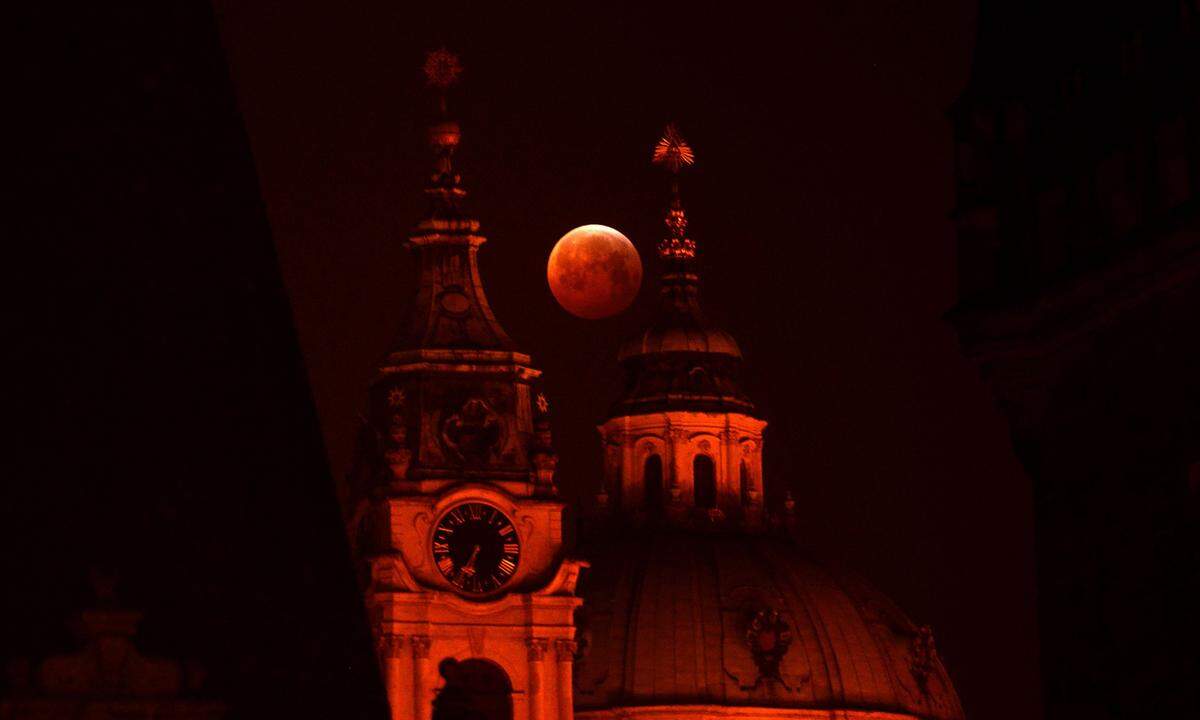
(1078, 178)
(161, 424)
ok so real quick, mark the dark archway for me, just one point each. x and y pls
(652, 485)
(704, 481)
(475, 689)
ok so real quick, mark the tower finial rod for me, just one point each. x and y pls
(442, 70)
(674, 153)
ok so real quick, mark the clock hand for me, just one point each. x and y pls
(469, 568)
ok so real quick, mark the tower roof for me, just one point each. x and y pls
(453, 399)
(451, 310)
(681, 361)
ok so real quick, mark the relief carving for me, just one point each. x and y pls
(768, 636)
(421, 522)
(398, 454)
(922, 657)
(473, 433)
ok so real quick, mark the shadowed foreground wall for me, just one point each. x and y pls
(1078, 168)
(161, 422)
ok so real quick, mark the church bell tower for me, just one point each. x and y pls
(456, 521)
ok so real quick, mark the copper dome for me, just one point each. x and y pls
(685, 625)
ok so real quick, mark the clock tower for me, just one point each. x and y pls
(456, 521)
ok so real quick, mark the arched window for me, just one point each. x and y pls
(474, 690)
(744, 476)
(652, 485)
(704, 479)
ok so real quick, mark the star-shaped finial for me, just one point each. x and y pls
(543, 405)
(441, 68)
(673, 151)
(395, 397)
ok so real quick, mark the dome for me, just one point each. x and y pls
(681, 338)
(682, 363)
(688, 625)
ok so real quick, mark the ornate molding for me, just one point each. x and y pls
(565, 579)
(537, 648)
(923, 657)
(420, 646)
(389, 573)
(421, 522)
(565, 650)
(388, 645)
(475, 637)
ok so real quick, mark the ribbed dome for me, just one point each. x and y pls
(673, 619)
(681, 338)
(681, 362)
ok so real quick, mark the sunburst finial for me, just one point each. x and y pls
(672, 151)
(441, 68)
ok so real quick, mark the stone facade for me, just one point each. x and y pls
(456, 521)
(675, 444)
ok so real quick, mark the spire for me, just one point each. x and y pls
(679, 282)
(683, 442)
(442, 70)
(681, 361)
(673, 153)
(450, 310)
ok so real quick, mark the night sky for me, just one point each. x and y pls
(820, 201)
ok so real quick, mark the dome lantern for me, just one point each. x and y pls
(683, 442)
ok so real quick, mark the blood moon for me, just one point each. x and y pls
(594, 272)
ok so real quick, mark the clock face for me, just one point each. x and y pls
(476, 548)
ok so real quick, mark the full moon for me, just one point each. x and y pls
(594, 272)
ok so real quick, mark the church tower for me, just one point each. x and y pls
(683, 442)
(456, 520)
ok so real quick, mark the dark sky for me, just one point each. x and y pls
(820, 201)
